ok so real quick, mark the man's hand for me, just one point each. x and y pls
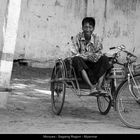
(84, 56)
(92, 58)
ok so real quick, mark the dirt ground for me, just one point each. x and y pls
(29, 109)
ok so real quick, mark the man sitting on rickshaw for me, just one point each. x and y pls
(88, 59)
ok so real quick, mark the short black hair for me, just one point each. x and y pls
(90, 20)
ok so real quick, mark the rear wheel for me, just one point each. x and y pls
(58, 88)
(127, 104)
(104, 99)
(104, 103)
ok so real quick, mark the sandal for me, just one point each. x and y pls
(102, 91)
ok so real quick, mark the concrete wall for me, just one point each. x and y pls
(46, 26)
(122, 23)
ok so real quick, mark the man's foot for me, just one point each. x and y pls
(92, 90)
(97, 91)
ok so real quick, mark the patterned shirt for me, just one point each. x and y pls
(92, 48)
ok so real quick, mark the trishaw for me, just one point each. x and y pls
(125, 98)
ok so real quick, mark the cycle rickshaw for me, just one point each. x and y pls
(125, 98)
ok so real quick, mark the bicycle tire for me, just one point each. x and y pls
(135, 88)
(104, 103)
(58, 88)
(128, 108)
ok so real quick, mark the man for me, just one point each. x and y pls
(87, 55)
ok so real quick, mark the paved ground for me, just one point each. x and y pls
(29, 109)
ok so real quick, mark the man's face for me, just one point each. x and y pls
(87, 29)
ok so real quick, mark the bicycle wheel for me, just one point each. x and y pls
(126, 103)
(104, 103)
(58, 88)
(135, 87)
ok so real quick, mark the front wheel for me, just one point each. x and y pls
(127, 104)
(104, 101)
(58, 88)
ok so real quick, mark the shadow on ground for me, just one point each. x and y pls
(31, 95)
(29, 108)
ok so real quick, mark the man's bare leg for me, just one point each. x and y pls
(85, 77)
(100, 81)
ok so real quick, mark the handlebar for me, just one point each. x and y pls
(130, 54)
(122, 48)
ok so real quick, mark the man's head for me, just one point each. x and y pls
(88, 24)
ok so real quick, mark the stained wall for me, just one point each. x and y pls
(45, 26)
